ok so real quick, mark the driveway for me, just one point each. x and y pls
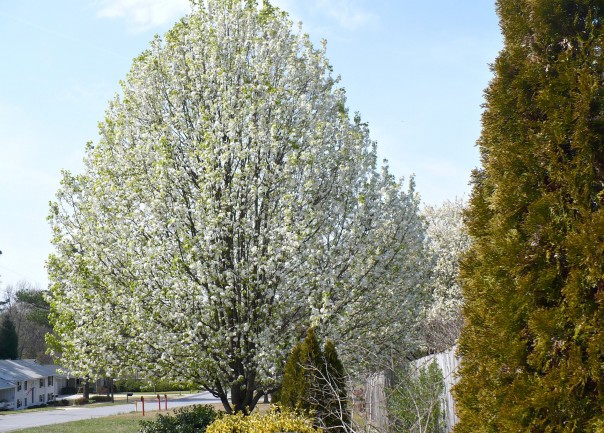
(74, 413)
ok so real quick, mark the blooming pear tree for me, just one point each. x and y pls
(230, 202)
(447, 240)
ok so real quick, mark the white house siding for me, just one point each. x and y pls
(7, 395)
(31, 384)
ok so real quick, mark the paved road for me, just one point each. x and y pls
(73, 413)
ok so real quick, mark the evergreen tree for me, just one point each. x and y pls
(314, 381)
(301, 375)
(533, 344)
(9, 342)
(335, 396)
(294, 388)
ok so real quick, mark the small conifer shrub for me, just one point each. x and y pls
(314, 381)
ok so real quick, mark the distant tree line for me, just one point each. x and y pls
(24, 323)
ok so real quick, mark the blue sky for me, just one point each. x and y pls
(415, 71)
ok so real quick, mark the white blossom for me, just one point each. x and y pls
(230, 203)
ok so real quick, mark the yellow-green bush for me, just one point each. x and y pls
(273, 421)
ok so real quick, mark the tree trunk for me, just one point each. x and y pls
(87, 388)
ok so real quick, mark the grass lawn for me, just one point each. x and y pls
(123, 423)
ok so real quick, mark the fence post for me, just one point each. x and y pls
(166, 401)
(143, 404)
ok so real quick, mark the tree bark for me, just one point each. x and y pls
(87, 388)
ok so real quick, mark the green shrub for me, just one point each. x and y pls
(274, 421)
(188, 419)
(81, 401)
(100, 399)
(314, 381)
(140, 385)
(334, 410)
(163, 386)
(294, 389)
(69, 390)
(414, 403)
(128, 385)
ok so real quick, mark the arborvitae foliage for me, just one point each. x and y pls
(312, 356)
(533, 281)
(301, 375)
(294, 388)
(334, 408)
(314, 381)
(9, 342)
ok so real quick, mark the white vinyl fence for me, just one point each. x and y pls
(375, 395)
(448, 362)
(375, 402)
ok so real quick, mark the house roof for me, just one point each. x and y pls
(4, 384)
(24, 369)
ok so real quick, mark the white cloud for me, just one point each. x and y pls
(142, 15)
(347, 13)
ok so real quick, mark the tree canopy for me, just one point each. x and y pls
(9, 341)
(533, 343)
(447, 240)
(28, 309)
(230, 203)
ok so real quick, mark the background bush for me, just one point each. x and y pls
(62, 402)
(414, 403)
(140, 385)
(100, 399)
(188, 419)
(68, 390)
(164, 386)
(128, 385)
